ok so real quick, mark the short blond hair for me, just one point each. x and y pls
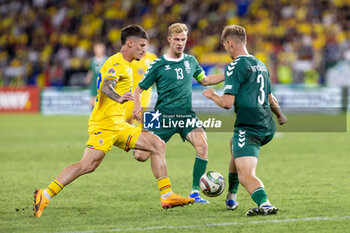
(177, 28)
(236, 32)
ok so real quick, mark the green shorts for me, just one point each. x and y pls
(247, 144)
(165, 133)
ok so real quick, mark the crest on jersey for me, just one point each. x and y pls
(187, 66)
(140, 71)
(111, 71)
(167, 67)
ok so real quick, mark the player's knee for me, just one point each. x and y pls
(160, 146)
(202, 150)
(89, 167)
(141, 156)
(243, 178)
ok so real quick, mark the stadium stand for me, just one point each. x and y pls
(46, 42)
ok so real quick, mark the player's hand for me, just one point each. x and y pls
(126, 97)
(282, 119)
(208, 92)
(137, 113)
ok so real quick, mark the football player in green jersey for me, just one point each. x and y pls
(96, 64)
(248, 89)
(173, 73)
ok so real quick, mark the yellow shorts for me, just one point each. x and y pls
(145, 101)
(125, 137)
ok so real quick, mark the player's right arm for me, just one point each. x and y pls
(275, 108)
(212, 79)
(137, 112)
(150, 77)
(108, 89)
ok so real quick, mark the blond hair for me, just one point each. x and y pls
(177, 28)
(236, 32)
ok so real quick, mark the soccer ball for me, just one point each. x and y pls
(212, 184)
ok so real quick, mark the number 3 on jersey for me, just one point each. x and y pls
(261, 97)
(179, 73)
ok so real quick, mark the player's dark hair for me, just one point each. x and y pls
(133, 30)
(236, 32)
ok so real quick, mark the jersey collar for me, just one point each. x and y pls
(173, 59)
(244, 56)
(120, 56)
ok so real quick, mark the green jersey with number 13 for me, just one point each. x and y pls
(173, 78)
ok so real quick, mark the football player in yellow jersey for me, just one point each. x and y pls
(138, 69)
(107, 126)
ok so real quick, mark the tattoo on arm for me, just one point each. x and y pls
(108, 89)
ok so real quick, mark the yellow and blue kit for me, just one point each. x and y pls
(107, 126)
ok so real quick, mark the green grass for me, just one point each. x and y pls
(306, 175)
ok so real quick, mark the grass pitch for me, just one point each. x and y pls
(306, 175)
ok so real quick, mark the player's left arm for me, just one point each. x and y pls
(225, 101)
(275, 108)
(108, 89)
(212, 79)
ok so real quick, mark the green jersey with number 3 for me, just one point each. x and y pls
(173, 78)
(248, 79)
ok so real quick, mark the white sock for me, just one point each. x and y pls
(231, 196)
(194, 191)
(166, 195)
(264, 204)
(47, 195)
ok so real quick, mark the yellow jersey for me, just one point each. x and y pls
(107, 113)
(139, 68)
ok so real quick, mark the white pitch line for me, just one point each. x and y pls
(216, 224)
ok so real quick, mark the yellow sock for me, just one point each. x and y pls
(54, 188)
(164, 185)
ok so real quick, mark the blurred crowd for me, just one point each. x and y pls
(44, 42)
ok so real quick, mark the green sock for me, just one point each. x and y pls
(233, 182)
(199, 167)
(259, 196)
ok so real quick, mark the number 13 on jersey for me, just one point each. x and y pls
(179, 73)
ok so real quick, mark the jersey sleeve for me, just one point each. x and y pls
(91, 64)
(113, 71)
(234, 77)
(150, 76)
(268, 86)
(198, 74)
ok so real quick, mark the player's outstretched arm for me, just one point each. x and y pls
(108, 89)
(88, 77)
(225, 101)
(137, 112)
(275, 107)
(212, 79)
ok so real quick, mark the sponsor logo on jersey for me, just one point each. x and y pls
(187, 66)
(167, 67)
(227, 87)
(111, 71)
